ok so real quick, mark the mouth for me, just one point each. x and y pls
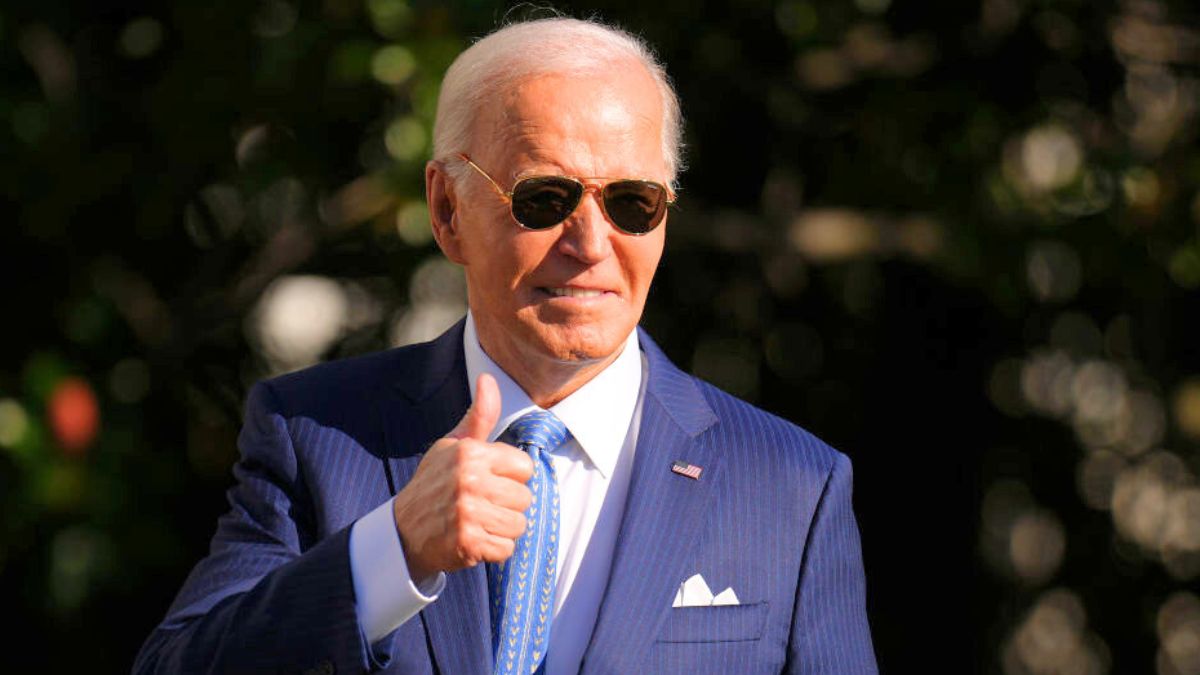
(574, 292)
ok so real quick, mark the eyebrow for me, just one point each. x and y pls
(518, 175)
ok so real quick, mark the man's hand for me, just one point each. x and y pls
(466, 502)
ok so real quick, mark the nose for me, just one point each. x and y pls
(586, 233)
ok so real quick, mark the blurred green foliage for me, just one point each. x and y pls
(961, 241)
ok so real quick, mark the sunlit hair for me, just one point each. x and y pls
(521, 50)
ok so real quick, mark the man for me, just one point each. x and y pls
(382, 517)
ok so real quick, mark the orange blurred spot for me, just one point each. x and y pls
(74, 414)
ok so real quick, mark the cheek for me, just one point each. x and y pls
(498, 269)
(641, 263)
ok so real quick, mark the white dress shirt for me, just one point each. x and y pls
(592, 469)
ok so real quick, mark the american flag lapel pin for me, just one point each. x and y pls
(684, 469)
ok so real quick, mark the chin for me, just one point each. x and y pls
(578, 346)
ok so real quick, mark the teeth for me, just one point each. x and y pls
(574, 292)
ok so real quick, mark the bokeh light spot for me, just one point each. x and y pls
(1142, 499)
(405, 138)
(74, 414)
(393, 65)
(1184, 266)
(1178, 624)
(412, 223)
(824, 69)
(297, 319)
(1186, 407)
(1046, 380)
(141, 37)
(14, 422)
(1141, 187)
(1098, 389)
(796, 18)
(1054, 271)
(1004, 387)
(1052, 638)
(438, 296)
(1036, 545)
(828, 235)
(389, 17)
(1183, 521)
(78, 556)
(1050, 157)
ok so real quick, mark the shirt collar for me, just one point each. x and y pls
(597, 414)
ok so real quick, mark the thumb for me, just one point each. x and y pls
(481, 417)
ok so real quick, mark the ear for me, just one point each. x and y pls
(439, 194)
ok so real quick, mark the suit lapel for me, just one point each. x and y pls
(663, 515)
(429, 396)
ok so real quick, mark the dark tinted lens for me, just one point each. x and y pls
(635, 206)
(538, 203)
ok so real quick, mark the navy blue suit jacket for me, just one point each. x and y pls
(770, 517)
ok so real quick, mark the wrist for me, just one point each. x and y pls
(418, 570)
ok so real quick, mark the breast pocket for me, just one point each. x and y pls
(723, 623)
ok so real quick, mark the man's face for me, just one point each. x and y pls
(573, 292)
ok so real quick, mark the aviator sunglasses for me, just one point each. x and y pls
(635, 206)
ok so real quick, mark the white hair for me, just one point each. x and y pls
(530, 48)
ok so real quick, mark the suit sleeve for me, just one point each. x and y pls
(829, 628)
(267, 598)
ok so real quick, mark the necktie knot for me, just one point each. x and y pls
(539, 428)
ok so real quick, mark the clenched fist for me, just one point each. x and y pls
(466, 502)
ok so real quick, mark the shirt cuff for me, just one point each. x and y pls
(386, 595)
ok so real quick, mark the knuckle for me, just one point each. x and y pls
(468, 481)
(465, 511)
(472, 449)
(466, 546)
(505, 548)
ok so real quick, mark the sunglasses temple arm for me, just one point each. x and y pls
(507, 195)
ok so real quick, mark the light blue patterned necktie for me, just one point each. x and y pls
(521, 590)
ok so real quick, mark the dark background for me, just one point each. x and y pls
(960, 241)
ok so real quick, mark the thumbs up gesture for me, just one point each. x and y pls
(466, 501)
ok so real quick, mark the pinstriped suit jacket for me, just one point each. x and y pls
(770, 517)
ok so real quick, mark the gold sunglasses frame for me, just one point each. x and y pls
(579, 180)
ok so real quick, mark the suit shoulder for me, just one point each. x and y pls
(744, 425)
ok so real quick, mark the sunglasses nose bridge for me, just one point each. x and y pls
(596, 188)
(588, 229)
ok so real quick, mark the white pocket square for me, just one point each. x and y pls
(695, 593)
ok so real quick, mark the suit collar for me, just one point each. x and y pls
(431, 366)
(676, 391)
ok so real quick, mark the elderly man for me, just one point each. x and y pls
(588, 507)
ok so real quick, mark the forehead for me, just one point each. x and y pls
(591, 123)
